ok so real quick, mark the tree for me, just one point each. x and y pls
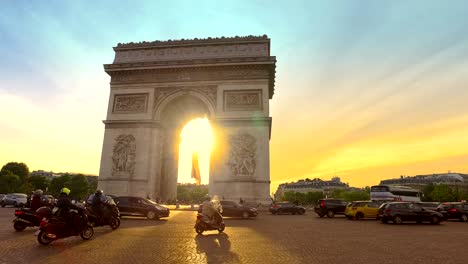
(56, 184)
(39, 182)
(8, 182)
(17, 168)
(443, 193)
(427, 193)
(78, 186)
(92, 184)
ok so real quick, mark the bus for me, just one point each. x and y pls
(387, 193)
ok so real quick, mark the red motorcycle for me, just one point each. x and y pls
(55, 228)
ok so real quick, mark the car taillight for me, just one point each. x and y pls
(19, 212)
(322, 204)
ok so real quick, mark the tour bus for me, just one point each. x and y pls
(394, 193)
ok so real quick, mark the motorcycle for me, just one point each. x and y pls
(55, 228)
(110, 216)
(203, 224)
(26, 217)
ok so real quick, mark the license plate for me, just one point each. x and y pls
(37, 232)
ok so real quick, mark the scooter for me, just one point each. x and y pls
(110, 216)
(26, 217)
(55, 228)
(203, 224)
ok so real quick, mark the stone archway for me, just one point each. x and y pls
(174, 115)
(156, 87)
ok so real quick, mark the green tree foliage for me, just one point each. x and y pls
(191, 193)
(302, 198)
(92, 184)
(427, 193)
(443, 193)
(56, 184)
(358, 195)
(78, 185)
(8, 182)
(39, 182)
(17, 168)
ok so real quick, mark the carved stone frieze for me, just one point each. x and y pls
(193, 74)
(209, 92)
(243, 100)
(123, 157)
(192, 52)
(242, 155)
(130, 103)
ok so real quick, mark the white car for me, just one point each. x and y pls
(15, 199)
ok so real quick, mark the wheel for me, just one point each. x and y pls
(359, 216)
(19, 226)
(87, 233)
(3, 204)
(273, 212)
(302, 212)
(384, 220)
(199, 229)
(221, 228)
(115, 223)
(151, 215)
(397, 219)
(321, 215)
(464, 218)
(278, 212)
(435, 220)
(43, 239)
(245, 215)
(330, 214)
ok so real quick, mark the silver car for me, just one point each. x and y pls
(15, 199)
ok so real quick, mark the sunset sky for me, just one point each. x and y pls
(366, 90)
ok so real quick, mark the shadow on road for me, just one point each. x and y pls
(217, 248)
(140, 222)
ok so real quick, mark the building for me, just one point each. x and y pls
(308, 185)
(454, 180)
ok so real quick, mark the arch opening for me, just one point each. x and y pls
(196, 145)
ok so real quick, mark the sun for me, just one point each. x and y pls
(196, 138)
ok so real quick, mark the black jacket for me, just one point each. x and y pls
(64, 204)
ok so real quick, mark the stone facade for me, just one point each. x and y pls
(157, 87)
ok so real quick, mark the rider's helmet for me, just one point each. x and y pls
(65, 190)
(99, 192)
(38, 192)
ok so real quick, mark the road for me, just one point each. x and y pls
(265, 239)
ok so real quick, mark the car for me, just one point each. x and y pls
(398, 212)
(15, 199)
(362, 209)
(138, 206)
(429, 205)
(234, 209)
(330, 207)
(287, 208)
(457, 211)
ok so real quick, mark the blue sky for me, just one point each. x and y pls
(352, 76)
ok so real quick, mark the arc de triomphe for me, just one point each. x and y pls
(157, 87)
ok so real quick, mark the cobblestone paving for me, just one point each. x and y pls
(266, 239)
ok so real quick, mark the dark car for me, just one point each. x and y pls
(428, 205)
(457, 211)
(330, 207)
(398, 212)
(287, 208)
(138, 206)
(233, 209)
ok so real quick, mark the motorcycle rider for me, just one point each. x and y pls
(97, 204)
(64, 204)
(36, 199)
(211, 211)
